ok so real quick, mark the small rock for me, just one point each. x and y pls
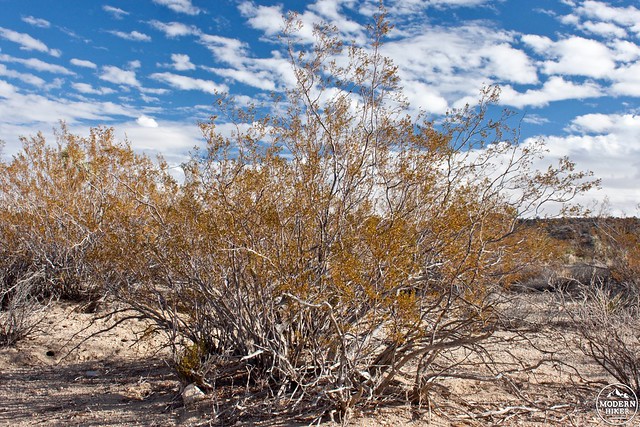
(50, 353)
(192, 394)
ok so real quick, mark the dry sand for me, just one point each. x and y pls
(64, 376)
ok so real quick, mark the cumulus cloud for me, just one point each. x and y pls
(189, 83)
(606, 145)
(509, 64)
(412, 7)
(147, 122)
(260, 79)
(627, 80)
(182, 62)
(88, 89)
(456, 3)
(20, 109)
(580, 57)
(119, 76)
(457, 62)
(25, 77)
(174, 29)
(173, 140)
(426, 98)
(627, 17)
(180, 6)
(625, 125)
(556, 88)
(36, 22)
(225, 49)
(605, 29)
(27, 42)
(625, 51)
(133, 35)
(83, 63)
(539, 44)
(268, 19)
(38, 65)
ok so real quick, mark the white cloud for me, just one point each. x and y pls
(154, 91)
(625, 51)
(626, 126)
(147, 122)
(413, 7)
(627, 80)
(115, 11)
(228, 50)
(261, 79)
(134, 65)
(25, 114)
(25, 77)
(27, 42)
(424, 97)
(174, 29)
(275, 68)
(36, 64)
(580, 57)
(534, 119)
(555, 88)
(539, 44)
(570, 19)
(88, 89)
(83, 63)
(458, 62)
(605, 29)
(119, 76)
(509, 64)
(133, 35)
(36, 22)
(180, 6)
(6, 89)
(606, 145)
(330, 11)
(269, 19)
(173, 140)
(628, 17)
(456, 3)
(188, 83)
(182, 62)
(26, 109)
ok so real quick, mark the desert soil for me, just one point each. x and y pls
(63, 375)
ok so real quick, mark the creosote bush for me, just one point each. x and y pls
(317, 252)
(320, 251)
(64, 218)
(606, 312)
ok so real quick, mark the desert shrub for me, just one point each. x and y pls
(329, 243)
(20, 310)
(608, 322)
(61, 206)
(320, 250)
(606, 310)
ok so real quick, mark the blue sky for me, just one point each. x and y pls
(150, 68)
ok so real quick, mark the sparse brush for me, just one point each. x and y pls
(607, 312)
(316, 253)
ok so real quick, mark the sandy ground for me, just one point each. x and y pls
(64, 376)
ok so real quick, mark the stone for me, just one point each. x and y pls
(192, 394)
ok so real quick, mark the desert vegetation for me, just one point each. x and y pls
(334, 252)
